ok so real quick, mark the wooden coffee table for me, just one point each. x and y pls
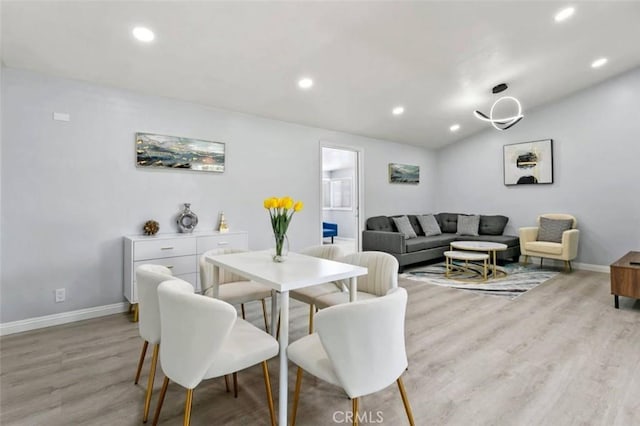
(625, 277)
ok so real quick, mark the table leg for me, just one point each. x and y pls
(284, 342)
(495, 266)
(353, 289)
(274, 313)
(616, 303)
(484, 270)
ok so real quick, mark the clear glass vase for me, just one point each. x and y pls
(281, 248)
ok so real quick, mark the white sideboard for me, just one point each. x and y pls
(178, 252)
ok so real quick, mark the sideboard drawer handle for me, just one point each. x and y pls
(166, 248)
(223, 243)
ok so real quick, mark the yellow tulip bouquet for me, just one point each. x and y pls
(281, 211)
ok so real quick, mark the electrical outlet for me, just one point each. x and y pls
(60, 295)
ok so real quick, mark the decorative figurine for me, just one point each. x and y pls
(151, 227)
(223, 224)
(187, 220)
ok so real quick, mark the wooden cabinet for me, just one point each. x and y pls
(625, 277)
(178, 252)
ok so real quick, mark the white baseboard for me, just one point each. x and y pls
(575, 265)
(592, 267)
(61, 318)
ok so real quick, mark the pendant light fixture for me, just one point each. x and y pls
(502, 123)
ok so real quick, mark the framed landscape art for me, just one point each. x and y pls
(173, 152)
(528, 163)
(404, 173)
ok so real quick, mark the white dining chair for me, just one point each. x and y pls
(310, 294)
(148, 278)
(233, 288)
(382, 276)
(203, 338)
(357, 346)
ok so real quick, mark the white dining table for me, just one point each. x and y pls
(297, 271)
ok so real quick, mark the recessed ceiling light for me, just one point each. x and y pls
(398, 110)
(599, 62)
(564, 14)
(454, 128)
(143, 34)
(305, 83)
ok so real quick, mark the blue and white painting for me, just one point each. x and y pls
(174, 152)
(404, 173)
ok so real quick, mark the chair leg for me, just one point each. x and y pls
(242, 309)
(278, 330)
(526, 259)
(235, 384)
(296, 396)
(405, 401)
(226, 383)
(541, 261)
(267, 384)
(187, 408)
(141, 361)
(152, 376)
(567, 266)
(570, 268)
(264, 314)
(354, 411)
(312, 310)
(135, 312)
(163, 392)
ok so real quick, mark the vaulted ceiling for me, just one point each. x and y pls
(439, 60)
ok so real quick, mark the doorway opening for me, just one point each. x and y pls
(341, 197)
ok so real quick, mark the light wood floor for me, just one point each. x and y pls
(558, 355)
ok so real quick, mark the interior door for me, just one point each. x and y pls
(341, 194)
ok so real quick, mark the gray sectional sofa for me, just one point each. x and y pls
(381, 234)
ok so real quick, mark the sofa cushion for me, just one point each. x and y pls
(544, 247)
(429, 225)
(492, 225)
(551, 229)
(468, 225)
(448, 222)
(404, 226)
(380, 223)
(413, 220)
(424, 243)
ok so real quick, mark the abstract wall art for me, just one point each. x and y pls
(528, 163)
(173, 152)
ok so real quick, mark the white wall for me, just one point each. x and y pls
(70, 190)
(596, 150)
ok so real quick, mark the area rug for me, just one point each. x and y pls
(518, 280)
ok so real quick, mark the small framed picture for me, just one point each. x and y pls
(404, 173)
(528, 163)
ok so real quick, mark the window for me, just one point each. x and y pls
(337, 194)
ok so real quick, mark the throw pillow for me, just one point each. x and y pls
(429, 225)
(404, 226)
(468, 225)
(551, 229)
